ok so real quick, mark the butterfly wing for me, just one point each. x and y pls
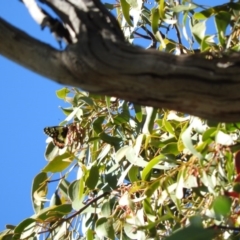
(58, 134)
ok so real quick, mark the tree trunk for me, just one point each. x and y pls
(100, 61)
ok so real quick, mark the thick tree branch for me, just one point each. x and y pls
(32, 54)
(101, 62)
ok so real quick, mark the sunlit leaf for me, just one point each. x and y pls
(59, 163)
(62, 93)
(25, 227)
(149, 122)
(187, 141)
(126, 10)
(39, 185)
(168, 126)
(161, 9)
(147, 170)
(209, 133)
(223, 138)
(55, 199)
(155, 20)
(198, 31)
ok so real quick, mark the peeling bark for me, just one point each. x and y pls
(100, 61)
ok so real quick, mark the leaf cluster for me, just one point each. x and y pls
(180, 28)
(140, 173)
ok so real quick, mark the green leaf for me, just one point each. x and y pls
(39, 185)
(62, 93)
(66, 111)
(203, 15)
(86, 100)
(125, 11)
(148, 169)
(196, 220)
(115, 141)
(209, 134)
(108, 102)
(105, 151)
(187, 233)
(206, 43)
(138, 112)
(149, 122)
(122, 178)
(104, 228)
(63, 188)
(92, 179)
(187, 141)
(161, 9)
(75, 192)
(168, 126)
(222, 205)
(222, 20)
(170, 148)
(106, 210)
(133, 3)
(181, 8)
(147, 207)
(6, 236)
(24, 226)
(97, 124)
(223, 139)
(155, 20)
(128, 230)
(59, 163)
(170, 45)
(56, 211)
(180, 183)
(133, 174)
(90, 234)
(138, 144)
(121, 153)
(152, 188)
(51, 151)
(198, 31)
(55, 199)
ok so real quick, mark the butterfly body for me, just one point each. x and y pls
(65, 135)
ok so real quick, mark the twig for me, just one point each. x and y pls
(179, 39)
(76, 213)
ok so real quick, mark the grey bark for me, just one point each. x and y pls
(100, 61)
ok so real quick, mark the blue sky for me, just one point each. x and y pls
(28, 103)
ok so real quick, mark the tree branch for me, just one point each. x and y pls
(103, 63)
(32, 54)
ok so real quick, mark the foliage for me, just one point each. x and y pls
(138, 172)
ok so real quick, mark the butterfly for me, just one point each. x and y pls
(66, 135)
